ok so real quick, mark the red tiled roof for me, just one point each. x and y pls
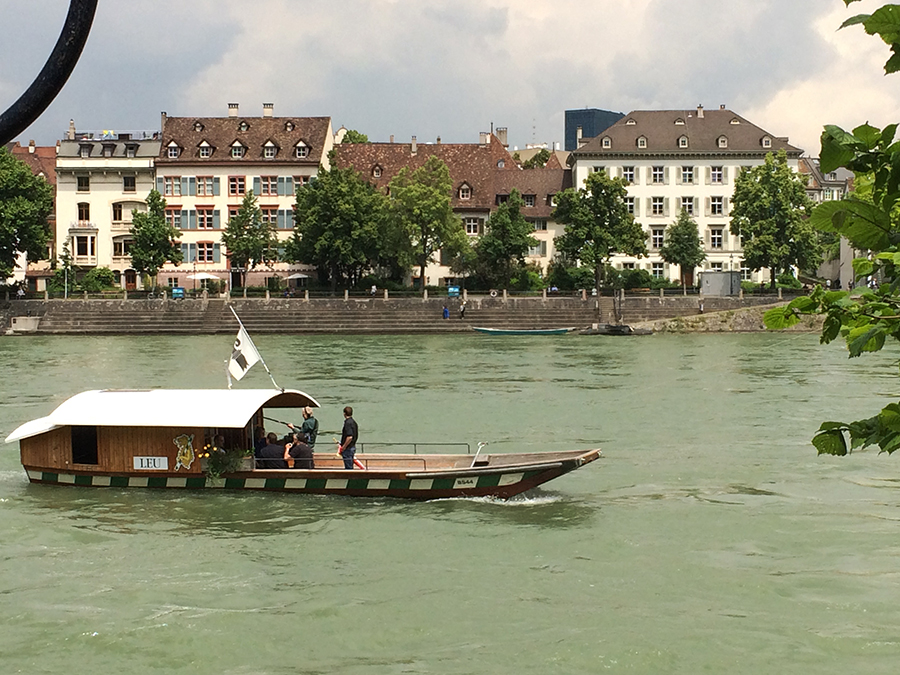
(41, 161)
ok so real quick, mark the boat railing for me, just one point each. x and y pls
(454, 448)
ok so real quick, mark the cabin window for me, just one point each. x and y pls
(84, 445)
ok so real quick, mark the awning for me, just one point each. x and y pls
(210, 408)
(299, 275)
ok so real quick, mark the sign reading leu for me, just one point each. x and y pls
(151, 463)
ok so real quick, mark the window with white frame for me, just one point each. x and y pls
(268, 185)
(716, 175)
(607, 142)
(237, 185)
(376, 172)
(85, 245)
(173, 218)
(642, 142)
(269, 151)
(657, 237)
(657, 269)
(716, 238)
(717, 206)
(657, 206)
(122, 247)
(658, 175)
(767, 142)
(131, 150)
(301, 151)
(628, 173)
(204, 251)
(270, 215)
(172, 186)
(716, 266)
(687, 175)
(204, 186)
(472, 226)
(723, 141)
(540, 225)
(84, 151)
(628, 266)
(237, 151)
(629, 204)
(205, 151)
(204, 218)
(687, 203)
(528, 200)
(683, 142)
(465, 192)
(746, 274)
(598, 169)
(539, 250)
(173, 152)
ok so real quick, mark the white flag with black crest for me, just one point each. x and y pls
(243, 356)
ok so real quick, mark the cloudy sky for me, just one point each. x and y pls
(450, 68)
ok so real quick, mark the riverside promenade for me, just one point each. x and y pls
(337, 315)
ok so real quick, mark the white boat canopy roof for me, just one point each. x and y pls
(211, 408)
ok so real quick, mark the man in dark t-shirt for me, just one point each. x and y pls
(271, 456)
(349, 437)
(301, 453)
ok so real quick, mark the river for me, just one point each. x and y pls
(710, 538)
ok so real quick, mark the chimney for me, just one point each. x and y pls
(501, 136)
(722, 106)
(31, 146)
(413, 148)
(70, 134)
(233, 109)
(700, 112)
(438, 140)
(579, 133)
(392, 138)
(484, 138)
(268, 109)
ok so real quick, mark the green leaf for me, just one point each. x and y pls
(831, 328)
(890, 418)
(830, 442)
(884, 21)
(855, 20)
(868, 135)
(803, 304)
(838, 148)
(888, 133)
(892, 65)
(827, 426)
(863, 267)
(779, 318)
(865, 339)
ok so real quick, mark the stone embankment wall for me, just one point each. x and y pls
(744, 320)
(360, 315)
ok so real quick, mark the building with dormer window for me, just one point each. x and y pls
(220, 160)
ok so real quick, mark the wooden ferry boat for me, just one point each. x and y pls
(158, 438)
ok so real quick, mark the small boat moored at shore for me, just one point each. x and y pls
(524, 331)
(165, 438)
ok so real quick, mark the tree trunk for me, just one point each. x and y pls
(598, 277)
(683, 282)
(773, 274)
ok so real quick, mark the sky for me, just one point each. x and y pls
(453, 68)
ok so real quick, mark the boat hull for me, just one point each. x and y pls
(502, 482)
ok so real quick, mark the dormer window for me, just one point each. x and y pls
(206, 150)
(501, 164)
(683, 142)
(679, 122)
(630, 122)
(172, 151)
(84, 151)
(607, 142)
(465, 192)
(376, 171)
(735, 120)
(301, 150)
(270, 150)
(288, 126)
(767, 142)
(237, 150)
(131, 150)
(198, 126)
(722, 142)
(642, 142)
(108, 149)
(243, 126)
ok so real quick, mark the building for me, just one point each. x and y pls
(206, 165)
(674, 159)
(102, 178)
(483, 175)
(42, 162)
(587, 123)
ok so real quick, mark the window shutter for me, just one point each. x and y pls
(289, 216)
(257, 189)
(544, 247)
(184, 185)
(637, 207)
(217, 252)
(708, 238)
(192, 253)
(649, 205)
(280, 219)
(725, 175)
(281, 186)
(159, 184)
(649, 175)
(192, 185)
(708, 175)
(184, 252)
(217, 221)
(696, 206)
(724, 237)
(666, 206)
(706, 210)
(216, 186)
(289, 187)
(184, 220)
(679, 180)
(481, 226)
(666, 175)
(726, 204)
(192, 215)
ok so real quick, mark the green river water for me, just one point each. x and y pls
(709, 539)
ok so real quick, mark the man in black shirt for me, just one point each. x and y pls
(271, 456)
(301, 453)
(349, 437)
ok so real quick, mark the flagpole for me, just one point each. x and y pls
(261, 360)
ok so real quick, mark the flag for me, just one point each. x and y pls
(244, 355)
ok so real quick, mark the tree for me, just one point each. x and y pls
(538, 161)
(341, 226)
(249, 240)
(26, 201)
(682, 246)
(353, 136)
(770, 211)
(506, 242)
(869, 218)
(597, 225)
(420, 202)
(98, 279)
(155, 241)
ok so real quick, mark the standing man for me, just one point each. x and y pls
(309, 428)
(349, 437)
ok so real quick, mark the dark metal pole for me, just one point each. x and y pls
(53, 76)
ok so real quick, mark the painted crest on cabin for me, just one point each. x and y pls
(185, 456)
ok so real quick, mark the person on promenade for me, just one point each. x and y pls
(462, 310)
(272, 455)
(298, 454)
(309, 428)
(349, 437)
(446, 312)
